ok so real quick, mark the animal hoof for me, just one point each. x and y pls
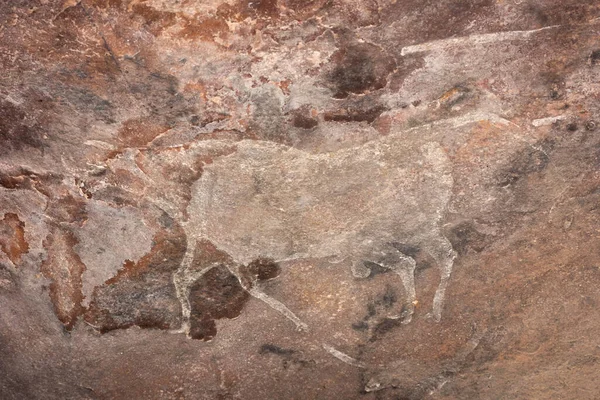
(302, 327)
(359, 270)
(434, 316)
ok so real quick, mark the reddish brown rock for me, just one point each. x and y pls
(12, 237)
(64, 269)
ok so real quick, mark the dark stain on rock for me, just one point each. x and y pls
(15, 181)
(388, 299)
(158, 94)
(382, 304)
(360, 326)
(371, 311)
(525, 162)
(263, 269)
(595, 57)
(383, 327)
(18, 131)
(406, 249)
(218, 294)
(12, 237)
(271, 348)
(538, 14)
(553, 76)
(289, 357)
(142, 293)
(268, 121)
(86, 101)
(65, 269)
(352, 114)
(555, 93)
(166, 221)
(359, 68)
(572, 126)
(303, 118)
(464, 236)
(304, 122)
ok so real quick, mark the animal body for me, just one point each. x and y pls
(354, 204)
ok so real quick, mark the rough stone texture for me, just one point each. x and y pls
(285, 199)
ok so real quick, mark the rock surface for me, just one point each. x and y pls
(284, 199)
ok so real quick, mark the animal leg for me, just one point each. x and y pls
(183, 278)
(182, 289)
(404, 266)
(277, 306)
(250, 284)
(442, 252)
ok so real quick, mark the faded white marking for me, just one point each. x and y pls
(547, 121)
(99, 144)
(343, 357)
(467, 119)
(279, 306)
(471, 40)
(271, 200)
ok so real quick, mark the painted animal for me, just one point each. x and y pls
(271, 200)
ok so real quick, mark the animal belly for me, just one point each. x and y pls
(268, 200)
